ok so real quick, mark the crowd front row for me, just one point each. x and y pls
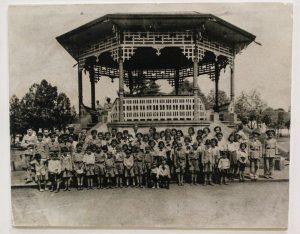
(117, 159)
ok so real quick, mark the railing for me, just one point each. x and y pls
(162, 108)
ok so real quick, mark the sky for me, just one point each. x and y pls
(34, 53)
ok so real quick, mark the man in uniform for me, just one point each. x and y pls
(255, 153)
(270, 149)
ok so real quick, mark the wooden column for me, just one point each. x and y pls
(217, 76)
(176, 82)
(80, 96)
(93, 92)
(121, 86)
(195, 84)
(232, 94)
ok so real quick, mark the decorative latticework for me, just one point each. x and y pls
(163, 38)
(217, 48)
(188, 51)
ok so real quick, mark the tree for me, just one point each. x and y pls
(222, 98)
(42, 107)
(250, 106)
(186, 88)
(16, 117)
(146, 87)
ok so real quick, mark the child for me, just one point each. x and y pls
(223, 166)
(160, 152)
(128, 167)
(100, 157)
(193, 162)
(119, 159)
(89, 163)
(163, 175)
(138, 166)
(232, 148)
(66, 167)
(54, 169)
(180, 163)
(40, 171)
(242, 156)
(216, 156)
(78, 166)
(148, 160)
(208, 162)
(109, 169)
(153, 176)
(270, 148)
(255, 153)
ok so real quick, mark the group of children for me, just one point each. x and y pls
(117, 159)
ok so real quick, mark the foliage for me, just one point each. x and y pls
(41, 107)
(222, 98)
(186, 88)
(146, 88)
(249, 106)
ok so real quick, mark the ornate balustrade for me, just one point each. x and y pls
(158, 108)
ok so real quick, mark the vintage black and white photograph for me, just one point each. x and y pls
(150, 115)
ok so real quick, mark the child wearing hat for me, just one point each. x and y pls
(242, 156)
(40, 171)
(128, 167)
(163, 174)
(207, 162)
(66, 167)
(78, 166)
(180, 163)
(119, 162)
(89, 164)
(223, 166)
(109, 169)
(255, 154)
(270, 149)
(54, 169)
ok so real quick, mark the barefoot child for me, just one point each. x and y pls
(100, 157)
(138, 166)
(40, 171)
(89, 164)
(66, 167)
(180, 163)
(193, 162)
(242, 156)
(78, 166)
(119, 162)
(109, 169)
(223, 166)
(128, 167)
(54, 169)
(207, 162)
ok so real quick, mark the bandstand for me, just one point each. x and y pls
(153, 46)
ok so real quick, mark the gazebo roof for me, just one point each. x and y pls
(157, 22)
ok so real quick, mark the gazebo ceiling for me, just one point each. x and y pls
(208, 24)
